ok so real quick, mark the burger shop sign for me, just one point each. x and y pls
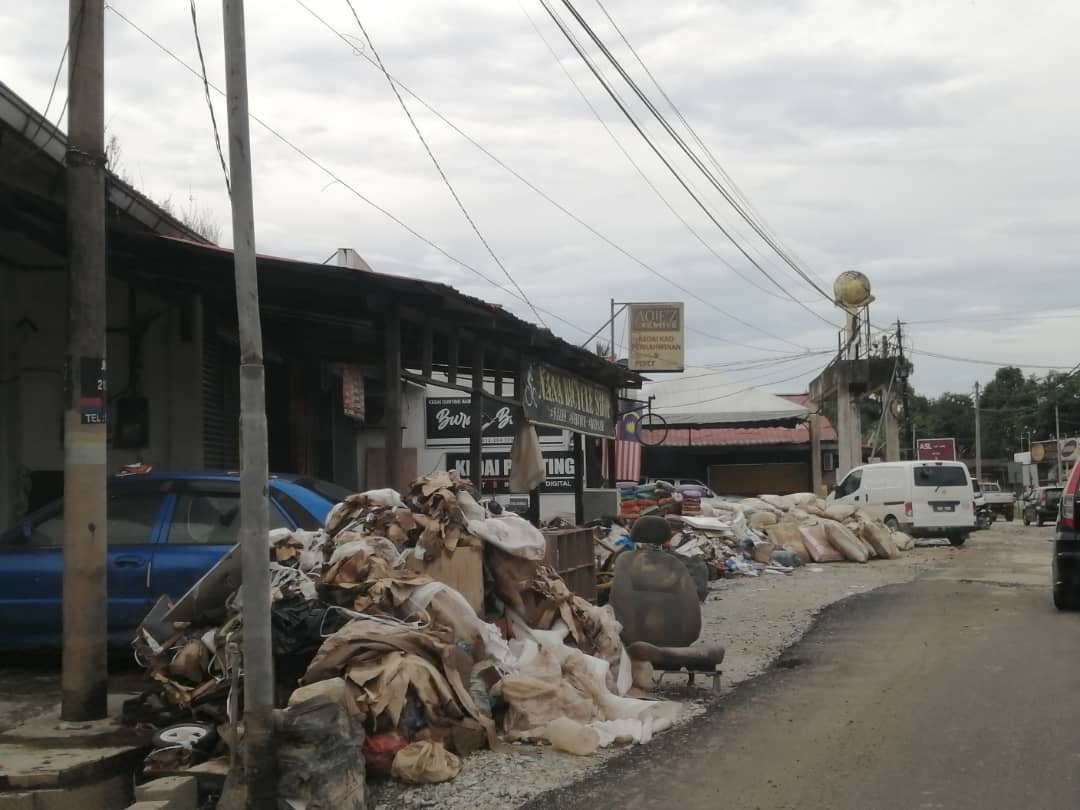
(561, 400)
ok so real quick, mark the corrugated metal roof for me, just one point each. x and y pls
(749, 436)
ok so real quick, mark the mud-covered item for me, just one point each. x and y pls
(790, 559)
(320, 764)
(699, 572)
(904, 542)
(705, 659)
(881, 539)
(380, 751)
(845, 542)
(655, 599)
(788, 537)
(818, 546)
(425, 763)
(651, 530)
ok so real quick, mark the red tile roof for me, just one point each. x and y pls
(745, 436)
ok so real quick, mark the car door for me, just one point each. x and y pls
(32, 560)
(202, 524)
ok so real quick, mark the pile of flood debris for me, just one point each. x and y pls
(769, 534)
(418, 676)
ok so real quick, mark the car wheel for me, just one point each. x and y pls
(1010, 515)
(1064, 599)
(1039, 522)
(195, 736)
(957, 539)
(892, 524)
(1027, 519)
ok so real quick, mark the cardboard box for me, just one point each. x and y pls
(463, 570)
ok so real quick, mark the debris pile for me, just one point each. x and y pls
(421, 677)
(770, 534)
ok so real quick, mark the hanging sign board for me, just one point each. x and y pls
(936, 449)
(352, 392)
(657, 337)
(449, 424)
(559, 399)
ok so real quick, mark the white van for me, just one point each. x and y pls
(922, 498)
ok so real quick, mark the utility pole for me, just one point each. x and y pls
(1057, 435)
(84, 668)
(260, 773)
(978, 439)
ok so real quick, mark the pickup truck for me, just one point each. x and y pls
(1000, 501)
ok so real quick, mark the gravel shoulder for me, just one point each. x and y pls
(756, 618)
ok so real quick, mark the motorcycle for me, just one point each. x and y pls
(984, 515)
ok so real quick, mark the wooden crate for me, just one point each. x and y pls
(570, 552)
(463, 570)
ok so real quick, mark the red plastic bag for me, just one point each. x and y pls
(380, 750)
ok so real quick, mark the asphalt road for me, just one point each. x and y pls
(959, 690)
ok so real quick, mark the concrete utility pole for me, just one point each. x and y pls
(1057, 435)
(260, 774)
(84, 672)
(978, 439)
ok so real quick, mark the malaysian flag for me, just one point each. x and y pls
(627, 444)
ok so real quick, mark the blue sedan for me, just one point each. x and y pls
(165, 532)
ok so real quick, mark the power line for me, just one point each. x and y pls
(544, 195)
(689, 152)
(693, 133)
(979, 362)
(209, 103)
(434, 160)
(626, 153)
(629, 116)
(339, 180)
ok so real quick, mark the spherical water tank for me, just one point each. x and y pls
(852, 290)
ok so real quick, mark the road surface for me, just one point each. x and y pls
(958, 691)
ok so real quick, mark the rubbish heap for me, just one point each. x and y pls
(423, 678)
(769, 534)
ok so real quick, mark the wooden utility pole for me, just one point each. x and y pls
(84, 668)
(260, 773)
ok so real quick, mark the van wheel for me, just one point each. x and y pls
(1027, 519)
(957, 539)
(892, 524)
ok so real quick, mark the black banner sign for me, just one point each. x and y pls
(558, 464)
(560, 399)
(449, 420)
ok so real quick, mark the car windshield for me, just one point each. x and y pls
(943, 476)
(1053, 497)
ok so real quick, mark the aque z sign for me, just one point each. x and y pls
(558, 399)
(656, 337)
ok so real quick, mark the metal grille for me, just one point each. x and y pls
(220, 401)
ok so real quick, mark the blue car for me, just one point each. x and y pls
(165, 531)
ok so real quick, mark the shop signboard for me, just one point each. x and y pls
(449, 424)
(559, 399)
(936, 449)
(657, 337)
(558, 464)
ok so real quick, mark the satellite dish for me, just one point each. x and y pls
(852, 291)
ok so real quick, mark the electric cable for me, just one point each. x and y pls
(435, 161)
(675, 173)
(689, 152)
(209, 103)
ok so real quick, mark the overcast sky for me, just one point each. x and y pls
(931, 144)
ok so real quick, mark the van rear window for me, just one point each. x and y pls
(941, 477)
